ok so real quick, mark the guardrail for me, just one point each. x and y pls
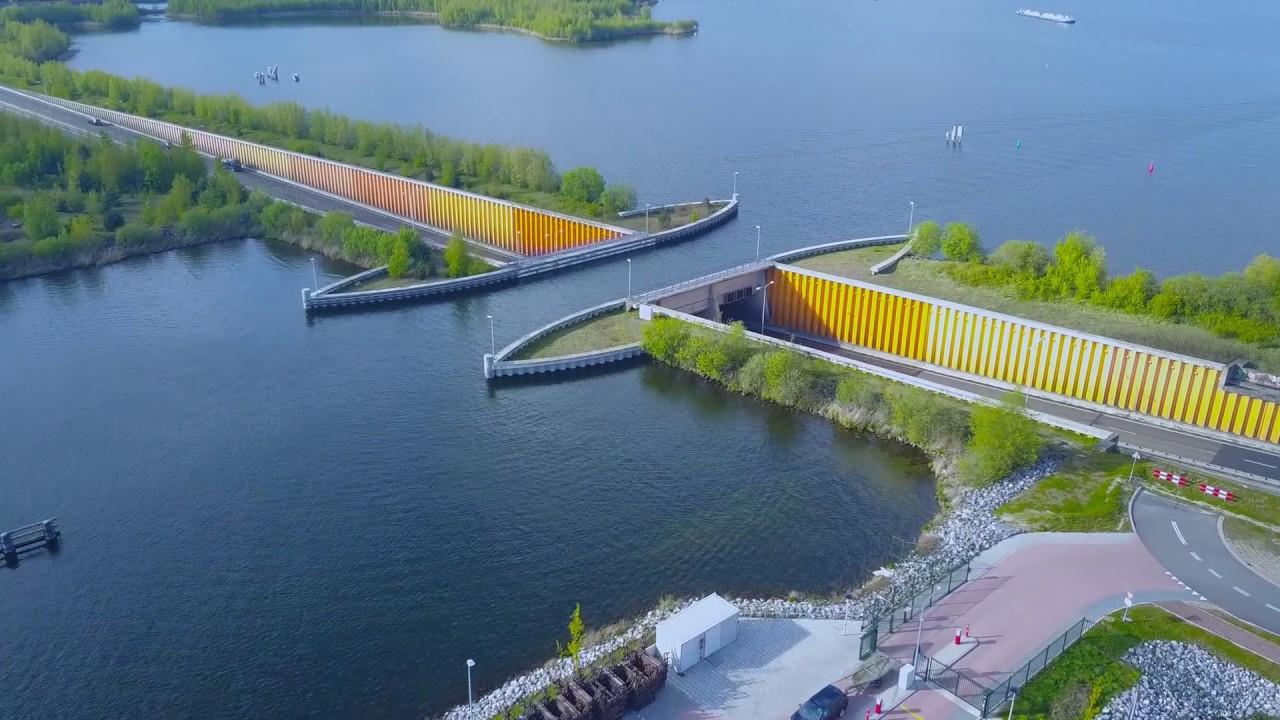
(1256, 481)
(500, 366)
(312, 301)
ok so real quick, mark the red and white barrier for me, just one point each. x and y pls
(966, 632)
(1217, 492)
(957, 636)
(879, 706)
(1169, 477)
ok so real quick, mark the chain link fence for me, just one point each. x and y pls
(1001, 693)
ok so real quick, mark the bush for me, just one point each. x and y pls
(962, 243)
(583, 185)
(926, 239)
(1004, 440)
(787, 379)
(135, 235)
(112, 220)
(618, 198)
(1130, 293)
(1023, 257)
(925, 420)
(663, 337)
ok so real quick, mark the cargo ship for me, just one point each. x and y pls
(1054, 17)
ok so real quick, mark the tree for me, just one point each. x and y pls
(583, 185)
(1130, 293)
(1078, 270)
(618, 197)
(334, 225)
(398, 264)
(1004, 440)
(112, 220)
(575, 637)
(177, 202)
(40, 217)
(457, 257)
(157, 171)
(926, 239)
(962, 243)
(1023, 256)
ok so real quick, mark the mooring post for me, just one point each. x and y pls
(6, 543)
(50, 532)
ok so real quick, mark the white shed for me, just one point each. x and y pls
(697, 631)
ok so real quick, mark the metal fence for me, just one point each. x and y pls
(967, 688)
(904, 605)
(1001, 693)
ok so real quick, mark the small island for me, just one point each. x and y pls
(558, 20)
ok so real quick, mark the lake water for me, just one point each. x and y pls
(271, 517)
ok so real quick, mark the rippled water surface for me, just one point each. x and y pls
(270, 517)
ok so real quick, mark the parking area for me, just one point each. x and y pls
(771, 668)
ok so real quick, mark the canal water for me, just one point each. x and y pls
(272, 517)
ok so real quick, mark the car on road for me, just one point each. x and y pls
(826, 704)
(96, 121)
(232, 165)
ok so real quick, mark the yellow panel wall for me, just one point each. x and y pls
(1013, 350)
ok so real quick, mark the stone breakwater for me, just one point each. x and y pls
(1183, 682)
(968, 529)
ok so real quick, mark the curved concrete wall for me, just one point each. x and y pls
(503, 224)
(500, 366)
(1014, 350)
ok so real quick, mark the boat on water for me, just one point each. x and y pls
(1053, 17)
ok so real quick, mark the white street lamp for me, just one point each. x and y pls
(493, 342)
(315, 279)
(764, 303)
(915, 660)
(757, 242)
(646, 217)
(911, 219)
(470, 664)
(735, 183)
(628, 279)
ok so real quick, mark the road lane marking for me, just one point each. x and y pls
(1273, 607)
(1197, 557)
(1178, 532)
(1214, 573)
(1237, 589)
(1255, 462)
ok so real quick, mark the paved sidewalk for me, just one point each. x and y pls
(1208, 621)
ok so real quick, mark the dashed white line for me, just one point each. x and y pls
(1178, 532)
(1237, 589)
(1214, 573)
(1197, 557)
(1255, 462)
(1273, 607)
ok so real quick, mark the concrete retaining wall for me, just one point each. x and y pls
(501, 366)
(890, 262)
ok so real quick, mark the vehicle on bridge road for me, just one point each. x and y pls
(827, 704)
(232, 165)
(96, 121)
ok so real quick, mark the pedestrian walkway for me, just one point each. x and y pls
(1206, 620)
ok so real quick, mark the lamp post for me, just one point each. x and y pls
(628, 279)
(470, 664)
(1013, 699)
(315, 279)
(757, 242)
(493, 341)
(911, 219)
(764, 303)
(646, 217)
(520, 240)
(735, 183)
(915, 659)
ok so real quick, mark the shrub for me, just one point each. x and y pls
(751, 378)
(925, 420)
(1130, 293)
(926, 239)
(787, 379)
(135, 235)
(1004, 439)
(112, 220)
(583, 185)
(961, 242)
(663, 337)
(1023, 257)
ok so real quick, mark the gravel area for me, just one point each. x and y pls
(1183, 682)
(970, 528)
(1262, 558)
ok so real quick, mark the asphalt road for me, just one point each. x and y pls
(1154, 439)
(74, 122)
(1188, 543)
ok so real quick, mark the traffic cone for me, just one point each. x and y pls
(878, 706)
(966, 632)
(957, 636)
(868, 713)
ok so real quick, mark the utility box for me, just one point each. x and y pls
(696, 632)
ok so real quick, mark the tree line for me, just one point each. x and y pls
(71, 202)
(982, 443)
(1241, 305)
(110, 14)
(569, 20)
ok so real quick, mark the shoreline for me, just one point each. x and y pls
(427, 18)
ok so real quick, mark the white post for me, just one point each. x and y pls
(314, 278)
(470, 664)
(520, 240)
(911, 219)
(493, 342)
(915, 659)
(757, 242)
(646, 217)
(628, 279)
(1134, 466)
(735, 183)
(764, 303)
(1011, 704)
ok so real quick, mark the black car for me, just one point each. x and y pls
(827, 703)
(96, 121)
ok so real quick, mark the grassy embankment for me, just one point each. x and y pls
(931, 277)
(670, 217)
(1083, 680)
(558, 20)
(603, 331)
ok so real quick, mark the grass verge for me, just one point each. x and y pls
(659, 220)
(1257, 546)
(1251, 504)
(929, 277)
(855, 263)
(1083, 679)
(1088, 495)
(600, 332)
